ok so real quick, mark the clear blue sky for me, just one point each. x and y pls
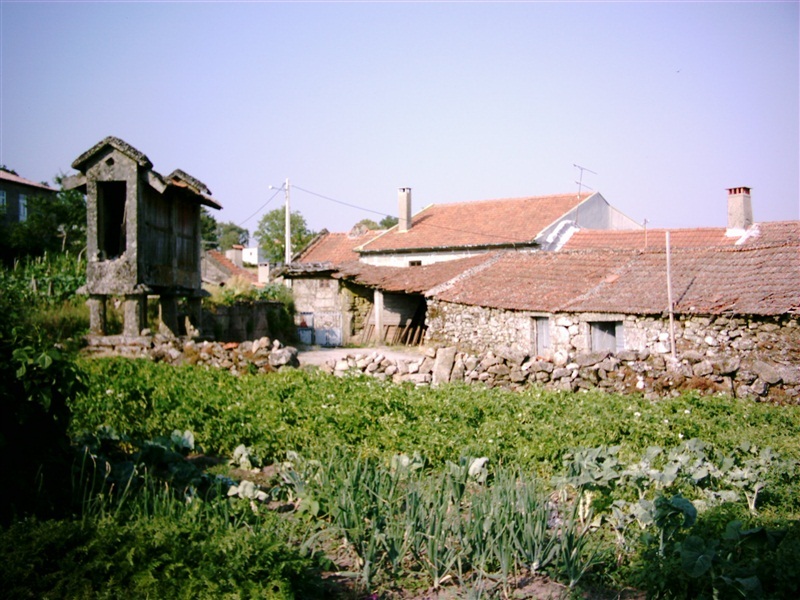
(669, 103)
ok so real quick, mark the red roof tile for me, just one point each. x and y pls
(227, 264)
(481, 223)
(771, 233)
(335, 248)
(542, 281)
(5, 175)
(640, 239)
(411, 279)
(761, 279)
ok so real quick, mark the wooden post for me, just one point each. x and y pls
(669, 300)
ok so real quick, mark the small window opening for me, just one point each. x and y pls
(415, 263)
(607, 335)
(111, 236)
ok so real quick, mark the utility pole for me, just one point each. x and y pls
(288, 256)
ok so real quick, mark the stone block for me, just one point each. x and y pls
(591, 358)
(766, 372)
(443, 365)
(727, 365)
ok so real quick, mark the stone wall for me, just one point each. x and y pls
(261, 355)
(477, 330)
(626, 372)
(240, 322)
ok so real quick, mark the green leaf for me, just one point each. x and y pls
(697, 557)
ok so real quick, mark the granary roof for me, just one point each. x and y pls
(335, 248)
(181, 179)
(116, 143)
(411, 280)
(178, 179)
(13, 178)
(479, 224)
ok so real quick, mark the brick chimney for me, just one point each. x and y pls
(740, 209)
(404, 209)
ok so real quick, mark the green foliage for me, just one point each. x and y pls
(159, 546)
(388, 221)
(208, 229)
(271, 234)
(229, 234)
(638, 501)
(367, 224)
(36, 382)
(56, 223)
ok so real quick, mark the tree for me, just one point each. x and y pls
(208, 229)
(367, 224)
(55, 223)
(388, 221)
(229, 234)
(271, 234)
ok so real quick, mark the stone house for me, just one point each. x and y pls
(143, 235)
(450, 231)
(342, 295)
(14, 194)
(328, 312)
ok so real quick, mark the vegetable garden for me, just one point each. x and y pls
(176, 482)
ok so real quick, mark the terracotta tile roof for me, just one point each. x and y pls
(760, 279)
(541, 281)
(226, 264)
(335, 248)
(6, 176)
(412, 280)
(477, 224)
(771, 233)
(639, 239)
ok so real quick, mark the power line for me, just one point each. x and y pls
(263, 206)
(443, 227)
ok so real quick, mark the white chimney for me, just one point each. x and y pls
(404, 209)
(740, 209)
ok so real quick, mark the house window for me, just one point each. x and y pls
(541, 332)
(2, 201)
(415, 263)
(23, 208)
(607, 335)
(111, 219)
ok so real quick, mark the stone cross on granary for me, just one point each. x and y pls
(143, 235)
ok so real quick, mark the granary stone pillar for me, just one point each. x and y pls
(97, 315)
(134, 315)
(168, 312)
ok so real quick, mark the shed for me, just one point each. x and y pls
(143, 235)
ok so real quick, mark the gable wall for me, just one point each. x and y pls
(402, 259)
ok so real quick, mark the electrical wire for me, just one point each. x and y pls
(443, 227)
(262, 207)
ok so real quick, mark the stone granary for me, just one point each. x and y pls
(143, 235)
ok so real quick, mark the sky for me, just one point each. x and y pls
(665, 104)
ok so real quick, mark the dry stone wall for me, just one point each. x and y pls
(257, 356)
(627, 371)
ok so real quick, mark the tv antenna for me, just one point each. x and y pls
(580, 181)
